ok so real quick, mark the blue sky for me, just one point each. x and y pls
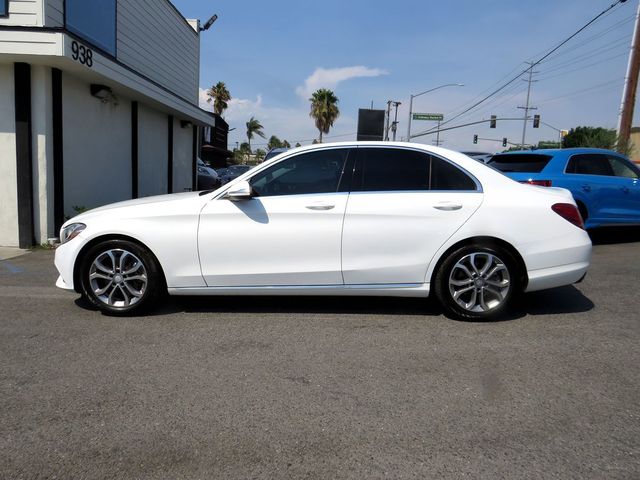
(272, 54)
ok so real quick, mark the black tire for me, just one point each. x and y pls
(484, 299)
(128, 273)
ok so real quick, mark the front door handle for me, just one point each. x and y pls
(447, 207)
(625, 189)
(320, 206)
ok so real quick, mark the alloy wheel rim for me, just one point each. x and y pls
(118, 278)
(479, 282)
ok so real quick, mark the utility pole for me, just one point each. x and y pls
(629, 91)
(438, 142)
(394, 125)
(386, 128)
(526, 108)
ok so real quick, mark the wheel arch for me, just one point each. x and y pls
(489, 242)
(104, 238)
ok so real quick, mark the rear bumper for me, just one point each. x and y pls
(557, 276)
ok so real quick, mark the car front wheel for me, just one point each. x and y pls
(120, 277)
(477, 282)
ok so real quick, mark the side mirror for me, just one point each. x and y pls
(240, 191)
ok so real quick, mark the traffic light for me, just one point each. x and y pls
(493, 121)
(475, 139)
(536, 121)
(504, 142)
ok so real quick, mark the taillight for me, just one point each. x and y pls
(569, 212)
(540, 183)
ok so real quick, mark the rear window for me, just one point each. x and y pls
(522, 162)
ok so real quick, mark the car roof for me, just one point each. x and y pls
(555, 151)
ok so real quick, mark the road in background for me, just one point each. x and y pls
(322, 388)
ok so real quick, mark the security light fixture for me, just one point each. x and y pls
(102, 92)
(186, 124)
(210, 22)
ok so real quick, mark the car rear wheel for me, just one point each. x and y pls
(477, 282)
(120, 277)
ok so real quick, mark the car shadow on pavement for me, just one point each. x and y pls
(563, 300)
(556, 301)
(613, 235)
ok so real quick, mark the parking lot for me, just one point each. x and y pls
(322, 387)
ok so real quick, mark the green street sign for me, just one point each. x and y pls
(436, 117)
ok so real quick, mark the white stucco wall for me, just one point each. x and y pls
(97, 147)
(8, 179)
(152, 152)
(182, 158)
(42, 138)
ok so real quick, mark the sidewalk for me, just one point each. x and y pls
(11, 252)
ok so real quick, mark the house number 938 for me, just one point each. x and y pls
(81, 54)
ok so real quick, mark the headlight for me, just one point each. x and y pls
(71, 231)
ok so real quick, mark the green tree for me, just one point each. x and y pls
(274, 142)
(254, 127)
(220, 96)
(596, 137)
(298, 144)
(324, 110)
(286, 144)
(241, 154)
(260, 154)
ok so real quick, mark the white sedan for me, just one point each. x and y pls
(359, 218)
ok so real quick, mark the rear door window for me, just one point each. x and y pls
(521, 162)
(397, 169)
(393, 169)
(589, 164)
(622, 168)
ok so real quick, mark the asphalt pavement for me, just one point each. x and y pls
(322, 388)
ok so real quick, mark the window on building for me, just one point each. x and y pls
(4, 8)
(93, 21)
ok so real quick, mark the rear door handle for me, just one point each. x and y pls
(586, 188)
(447, 207)
(320, 206)
(625, 189)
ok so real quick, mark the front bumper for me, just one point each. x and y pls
(65, 260)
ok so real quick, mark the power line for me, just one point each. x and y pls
(608, 59)
(580, 92)
(586, 41)
(533, 64)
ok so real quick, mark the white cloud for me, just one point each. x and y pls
(331, 77)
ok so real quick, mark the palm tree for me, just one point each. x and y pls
(219, 95)
(274, 142)
(254, 127)
(324, 110)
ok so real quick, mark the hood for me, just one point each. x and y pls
(171, 198)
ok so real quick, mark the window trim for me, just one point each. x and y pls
(6, 8)
(357, 178)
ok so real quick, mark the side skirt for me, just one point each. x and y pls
(392, 290)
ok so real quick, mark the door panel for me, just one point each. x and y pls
(277, 240)
(390, 237)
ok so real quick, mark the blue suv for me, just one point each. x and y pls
(605, 184)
